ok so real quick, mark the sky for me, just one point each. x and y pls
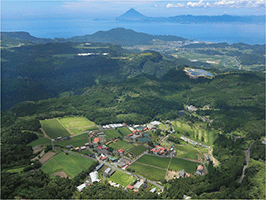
(112, 9)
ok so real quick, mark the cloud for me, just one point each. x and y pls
(221, 4)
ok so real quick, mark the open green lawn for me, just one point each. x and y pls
(112, 133)
(166, 144)
(121, 178)
(186, 151)
(53, 128)
(15, 170)
(155, 161)
(70, 164)
(148, 172)
(137, 150)
(76, 141)
(76, 124)
(39, 141)
(121, 144)
(179, 164)
(125, 131)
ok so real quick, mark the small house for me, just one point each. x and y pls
(113, 159)
(182, 174)
(138, 184)
(96, 140)
(120, 151)
(130, 187)
(81, 187)
(153, 190)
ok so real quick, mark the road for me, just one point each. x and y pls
(109, 165)
(247, 161)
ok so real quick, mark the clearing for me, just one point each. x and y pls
(121, 178)
(61, 174)
(71, 164)
(53, 128)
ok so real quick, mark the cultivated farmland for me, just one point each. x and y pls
(39, 142)
(137, 150)
(76, 124)
(53, 128)
(157, 161)
(121, 145)
(112, 133)
(121, 178)
(70, 164)
(76, 141)
(125, 131)
(148, 172)
(179, 164)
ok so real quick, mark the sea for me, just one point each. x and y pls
(209, 32)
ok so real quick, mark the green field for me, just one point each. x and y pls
(76, 141)
(53, 128)
(77, 124)
(148, 172)
(70, 164)
(39, 142)
(137, 150)
(16, 170)
(186, 151)
(112, 133)
(121, 145)
(121, 178)
(179, 164)
(125, 131)
(157, 161)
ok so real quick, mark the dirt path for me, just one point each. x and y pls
(45, 135)
(215, 162)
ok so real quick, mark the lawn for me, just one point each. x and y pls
(148, 172)
(76, 124)
(76, 141)
(121, 145)
(179, 164)
(39, 142)
(121, 178)
(137, 150)
(53, 128)
(186, 151)
(16, 170)
(70, 164)
(112, 133)
(157, 161)
(125, 131)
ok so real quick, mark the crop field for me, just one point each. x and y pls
(39, 142)
(53, 128)
(125, 131)
(148, 172)
(179, 164)
(186, 151)
(70, 164)
(76, 124)
(121, 144)
(137, 150)
(157, 161)
(112, 133)
(196, 132)
(121, 178)
(76, 141)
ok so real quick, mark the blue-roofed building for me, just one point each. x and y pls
(99, 166)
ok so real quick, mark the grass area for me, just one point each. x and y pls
(148, 172)
(137, 150)
(179, 164)
(155, 161)
(39, 142)
(112, 133)
(70, 164)
(121, 178)
(77, 124)
(164, 127)
(121, 144)
(76, 141)
(166, 144)
(53, 128)
(16, 170)
(125, 131)
(186, 151)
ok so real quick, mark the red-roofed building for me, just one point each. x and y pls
(130, 134)
(96, 140)
(159, 150)
(120, 151)
(130, 187)
(188, 175)
(100, 147)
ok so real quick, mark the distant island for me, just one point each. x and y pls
(134, 16)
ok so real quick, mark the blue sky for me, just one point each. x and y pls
(114, 8)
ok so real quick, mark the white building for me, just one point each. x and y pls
(155, 123)
(94, 177)
(81, 187)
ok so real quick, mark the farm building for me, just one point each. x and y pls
(87, 144)
(159, 150)
(155, 123)
(113, 159)
(108, 172)
(83, 148)
(94, 177)
(131, 129)
(120, 151)
(182, 174)
(100, 133)
(122, 162)
(96, 140)
(69, 146)
(138, 184)
(153, 190)
(99, 166)
(130, 187)
(76, 149)
(81, 187)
